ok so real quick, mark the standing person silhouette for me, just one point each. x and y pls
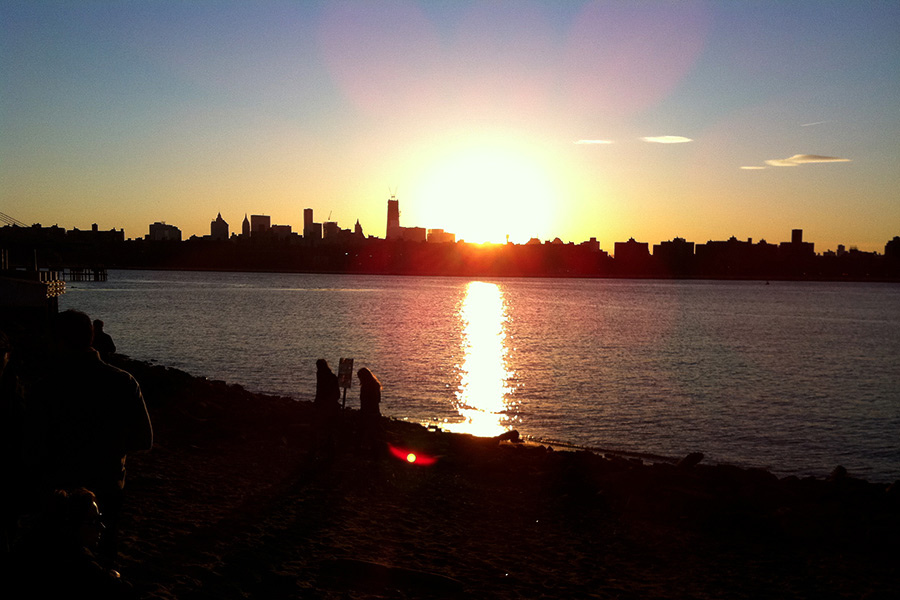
(328, 393)
(103, 342)
(326, 406)
(369, 410)
(12, 421)
(95, 416)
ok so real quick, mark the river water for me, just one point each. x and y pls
(794, 377)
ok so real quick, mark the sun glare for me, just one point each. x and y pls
(482, 399)
(487, 193)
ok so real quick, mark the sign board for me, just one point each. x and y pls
(345, 373)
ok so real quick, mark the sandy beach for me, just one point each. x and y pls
(232, 502)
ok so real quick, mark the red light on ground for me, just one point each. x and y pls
(411, 457)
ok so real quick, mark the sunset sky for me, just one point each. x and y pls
(530, 119)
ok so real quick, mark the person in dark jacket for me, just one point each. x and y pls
(328, 393)
(369, 410)
(327, 408)
(103, 342)
(95, 417)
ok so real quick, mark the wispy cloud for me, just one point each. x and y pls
(667, 139)
(753, 168)
(811, 124)
(594, 142)
(802, 159)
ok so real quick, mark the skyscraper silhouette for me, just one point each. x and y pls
(393, 219)
(218, 229)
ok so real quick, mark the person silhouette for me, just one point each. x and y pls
(95, 416)
(22, 441)
(369, 393)
(328, 393)
(326, 406)
(12, 410)
(103, 342)
(369, 410)
(56, 555)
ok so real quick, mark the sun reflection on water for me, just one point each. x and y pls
(483, 396)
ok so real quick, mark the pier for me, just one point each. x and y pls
(84, 274)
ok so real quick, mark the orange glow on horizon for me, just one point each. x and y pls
(487, 193)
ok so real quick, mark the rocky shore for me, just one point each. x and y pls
(233, 501)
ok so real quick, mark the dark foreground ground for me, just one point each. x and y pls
(230, 503)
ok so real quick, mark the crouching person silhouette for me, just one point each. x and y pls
(55, 558)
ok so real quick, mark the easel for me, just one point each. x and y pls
(345, 378)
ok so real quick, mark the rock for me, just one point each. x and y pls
(510, 436)
(691, 460)
(838, 473)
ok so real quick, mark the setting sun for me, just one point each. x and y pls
(486, 193)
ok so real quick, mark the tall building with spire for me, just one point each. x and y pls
(245, 227)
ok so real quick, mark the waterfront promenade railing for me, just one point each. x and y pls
(84, 274)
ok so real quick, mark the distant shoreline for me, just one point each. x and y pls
(55, 249)
(547, 276)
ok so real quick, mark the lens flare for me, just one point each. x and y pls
(412, 457)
